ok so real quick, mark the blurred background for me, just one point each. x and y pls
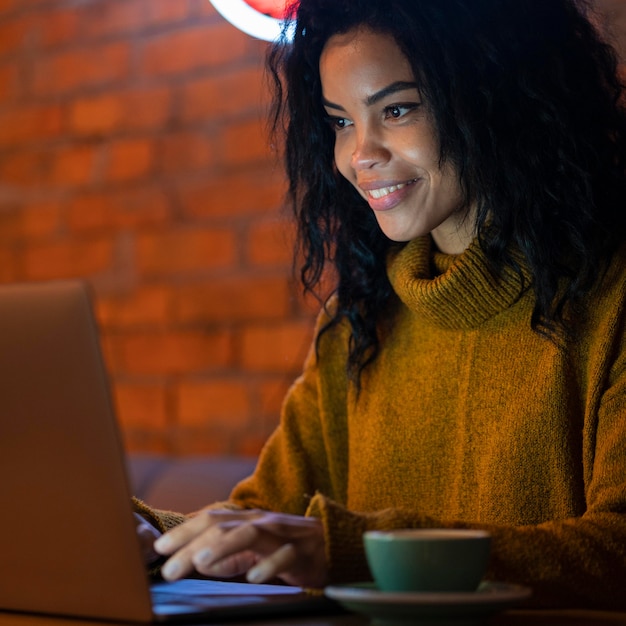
(134, 153)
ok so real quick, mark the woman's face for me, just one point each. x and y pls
(385, 141)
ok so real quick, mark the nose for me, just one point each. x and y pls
(369, 151)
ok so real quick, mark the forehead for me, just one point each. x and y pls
(362, 59)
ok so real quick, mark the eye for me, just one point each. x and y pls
(396, 111)
(338, 123)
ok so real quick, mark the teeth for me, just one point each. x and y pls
(385, 191)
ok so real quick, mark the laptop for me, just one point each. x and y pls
(68, 544)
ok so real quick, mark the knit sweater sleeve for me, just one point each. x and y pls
(579, 561)
(572, 563)
(304, 455)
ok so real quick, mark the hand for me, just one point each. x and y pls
(147, 534)
(260, 544)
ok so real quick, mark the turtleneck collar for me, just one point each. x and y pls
(451, 291)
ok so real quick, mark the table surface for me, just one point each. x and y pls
(507, 618)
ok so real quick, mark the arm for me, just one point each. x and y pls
(303, 471)
(575, 561)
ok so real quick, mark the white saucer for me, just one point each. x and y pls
(428, 608)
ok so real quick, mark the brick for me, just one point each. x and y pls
(182, 240)
(270, 394)
(204, 10)
(9, 271)
(185, 251)
(28, 167)
(170, 352)
(116, 111)
(96, 115)
(80, 68)
(129, 159)
(31, 123)
(9, 223)
(243, 193)
(40, 220)
(276, 348)
(309, 304)
(32, 4)
(245, 143)
(167, 12)
(271, 243)
(147, 306)
(141, 405)
(65, 259)
(8, 6)
(154, 105)
(59, 27)
(233, 299)
(184, 152)
(73, 165)
(118, 209)
(228, 95)
(202, 402)
(9, 81)
(113, 17)
(191, 49)
(257, 47)
(212, 439)
(14, 34)
(146, 440)
(249, 444)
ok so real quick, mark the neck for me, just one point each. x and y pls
(455, 235)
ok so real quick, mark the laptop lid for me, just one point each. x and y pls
(68, 542)
(67, 533)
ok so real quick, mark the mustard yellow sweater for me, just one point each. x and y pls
(467, 418)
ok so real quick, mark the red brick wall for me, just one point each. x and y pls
(133, 152)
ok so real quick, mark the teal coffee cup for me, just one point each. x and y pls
(427, 559)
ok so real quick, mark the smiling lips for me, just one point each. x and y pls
(382, 198)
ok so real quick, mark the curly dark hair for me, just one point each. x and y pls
(525, 97)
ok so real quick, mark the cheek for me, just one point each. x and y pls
(450, 182)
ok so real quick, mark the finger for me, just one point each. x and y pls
(235, 551)
(203, 544)
(232, 544)
(181, 535)
(276, 563)
(230, 566)
(181, 546)
(181, 563)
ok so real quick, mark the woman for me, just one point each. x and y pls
(460, 165)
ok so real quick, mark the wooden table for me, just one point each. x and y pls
(508, 618)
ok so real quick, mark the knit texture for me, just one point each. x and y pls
(467, 418)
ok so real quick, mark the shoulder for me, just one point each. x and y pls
(332, 330)
(604, 310)
(611, 283)
(330, 348)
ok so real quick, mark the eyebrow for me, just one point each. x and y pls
(399, 85)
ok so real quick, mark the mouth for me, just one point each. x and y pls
(382, 192)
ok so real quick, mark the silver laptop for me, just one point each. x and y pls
(67, 533)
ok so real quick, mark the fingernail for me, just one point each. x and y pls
(171, 570)
(162, 543)
(256, 574)
(204, 557)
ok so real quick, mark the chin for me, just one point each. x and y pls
(401, 235)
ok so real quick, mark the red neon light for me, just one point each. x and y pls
(274, 8)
